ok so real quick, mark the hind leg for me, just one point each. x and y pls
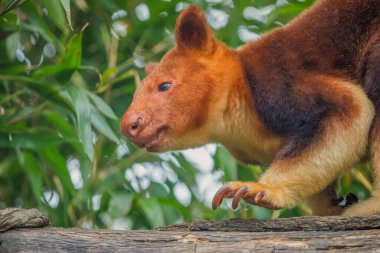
(325, 203)
(371, 206)
(371, 78)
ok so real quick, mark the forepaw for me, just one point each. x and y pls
(253, 193)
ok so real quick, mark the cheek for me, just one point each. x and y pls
(189, 108)
(151, 107)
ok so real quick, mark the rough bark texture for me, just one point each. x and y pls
(12, 218)
(330, 223)
(80, 240)
(305, 234)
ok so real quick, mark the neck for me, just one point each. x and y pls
(240, 130)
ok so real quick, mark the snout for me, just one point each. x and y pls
(132, 125)
(143, 131)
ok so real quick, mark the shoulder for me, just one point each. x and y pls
(288, 103)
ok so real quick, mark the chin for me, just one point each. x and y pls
(165, 143)
(155, 149)
(161, 145)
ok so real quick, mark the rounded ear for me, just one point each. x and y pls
(150, 66)
(193, 32)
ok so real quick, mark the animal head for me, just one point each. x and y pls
(181, 102)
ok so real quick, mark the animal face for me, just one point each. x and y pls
(171, 108)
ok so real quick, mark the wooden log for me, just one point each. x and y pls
(80, 240)
(303, 234)
(12, 218)
(311, 223)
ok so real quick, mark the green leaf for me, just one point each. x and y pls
(152, 210)
(10, 22)
(186, 171)
(66, 6)
(101, 105)
(56, 13)
(158, 190)
(72, 57)
(101, 124)
(182, 174)
(58, 165)
(34, 173)
(39, 24)
(28, 140)
(7, 5)
(12, 45)
(14, 69)
(172, 214)
(227, 163)
(83, 108)
(46, 90)
(261, 213)
(61, 124)
(69, 61)
(120, 204)
(59, 71)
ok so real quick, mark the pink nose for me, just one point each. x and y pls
(132, 125)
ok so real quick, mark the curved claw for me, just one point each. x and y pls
(219, 196)
(260, 196)
(240, 193)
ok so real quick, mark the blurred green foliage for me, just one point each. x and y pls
(67, 73)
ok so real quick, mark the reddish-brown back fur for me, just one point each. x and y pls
(330, 39)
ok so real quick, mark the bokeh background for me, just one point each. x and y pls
(68, 70)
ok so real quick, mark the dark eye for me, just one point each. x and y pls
(164, 87)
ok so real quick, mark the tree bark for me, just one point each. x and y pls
(304, 234)
(12, 218)
(80, 240)
(312, 223)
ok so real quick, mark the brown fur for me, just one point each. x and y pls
(324, 203)
(302, 99)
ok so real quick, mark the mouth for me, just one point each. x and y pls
(152, 144)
